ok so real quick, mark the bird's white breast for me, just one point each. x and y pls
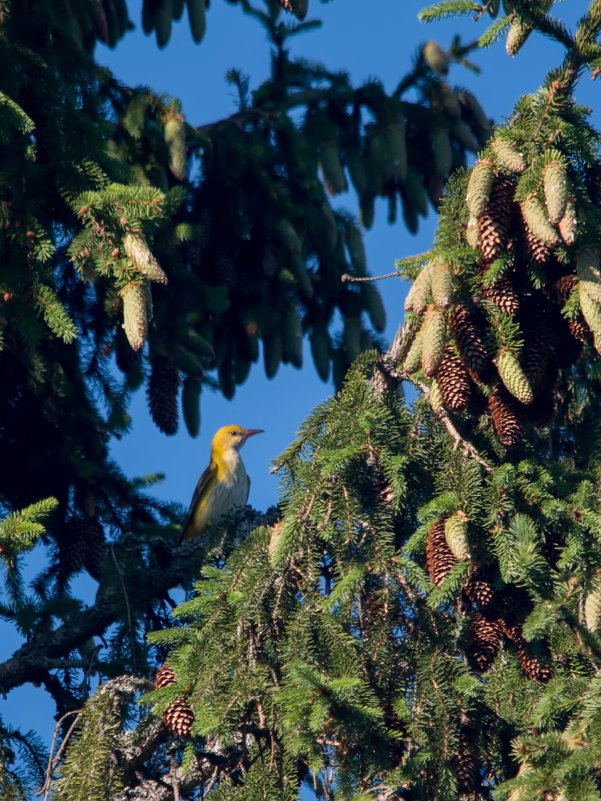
(231, 491)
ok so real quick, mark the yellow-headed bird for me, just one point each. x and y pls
(223, 485)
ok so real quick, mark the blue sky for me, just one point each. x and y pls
(375, 38)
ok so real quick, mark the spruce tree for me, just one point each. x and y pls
(144, 251)
(422, 622)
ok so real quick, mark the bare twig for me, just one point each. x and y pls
(348, 278)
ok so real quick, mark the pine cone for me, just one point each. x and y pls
(537, 251)
(439, 558)
(479, 590)
(506, 417)
(513, 377)
(533, 661)
(453, 380)
(135, 314)
(470, 343)
(568, 223)
(507, 155)
(592, 610)
(73, 548)
(456, 535)
(496, 220)
(579, 329)
(162, 394)
(479, 187)
(96, 548)
(484, 641)
(535, 358)
(563, 287)
(556, 190)
(466, 766)
(178, 717)
(141, 257)
(434, 329)
(503, 294)
(536, 220)
(164, 677)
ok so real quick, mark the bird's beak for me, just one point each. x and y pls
(251, 431)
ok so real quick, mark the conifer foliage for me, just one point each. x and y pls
(421, 618)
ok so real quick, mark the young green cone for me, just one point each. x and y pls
(513, 376)
(479, 187)
(141, 257)
(135, 314)
(455, 532)
(434, 340)
(556, 190)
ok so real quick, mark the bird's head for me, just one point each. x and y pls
(232, 438)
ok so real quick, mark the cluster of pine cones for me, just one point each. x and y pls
(492, 615)
(495, 332)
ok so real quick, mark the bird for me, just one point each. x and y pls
(223, 484)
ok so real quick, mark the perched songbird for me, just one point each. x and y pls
(223, 485)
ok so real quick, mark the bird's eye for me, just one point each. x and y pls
(234, 433)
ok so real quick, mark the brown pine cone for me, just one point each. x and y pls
(563, 288)
(484, 641)
(506, 416)
(469, 336)
(96, 548)
(495, 223)
(164, 677)
(479, 590)
(537, 251)
(466, 766)
(439, 558)
(162, 394)
(533, 661)
(453, 380)
(535, 358)
(178, 717)
(503, 294)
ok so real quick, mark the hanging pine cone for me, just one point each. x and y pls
(470, 343)
(506, 417)
(96, 548)
(434, 329)
(536, 220)
(178, 717)
(73, 547)
(479, 590)
(537, 251)
(453, 380)
(162, 394)
(503, 294)
(563, 287)
(479, 187)
(135, 313)
(592, 609)
(507, 155)
(466, 766)
(579, 329)
(555, 182)
(534, 660)
(535, 358)
(513, 377)
(164, 677)
(496, 220)
(455, 531)
(439, 558)
(567, 224)
(484, 641)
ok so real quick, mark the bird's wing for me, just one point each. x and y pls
(204, 482)
(247, 488)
